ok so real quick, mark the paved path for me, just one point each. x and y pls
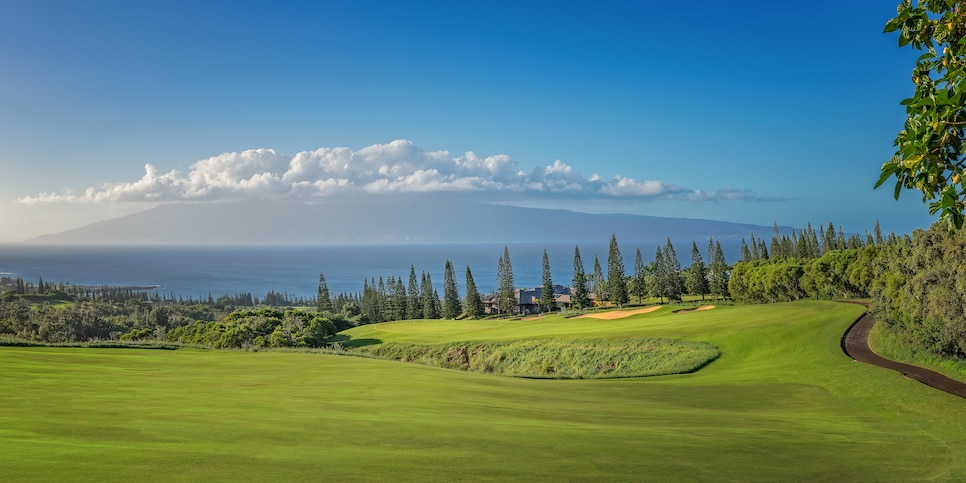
(855, 344)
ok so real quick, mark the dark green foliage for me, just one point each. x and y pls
(718, 271)
(547, 301)
(598, 282)
(506, 290)
(659, 280)
(639, 287)
(414, 305)
(451, 296)
(474, 303)
(324, 300)
(256, 329)
(429, 297)
(921, 292)
(672, 280)
(617, 283)
(696, 276)
(579, 299)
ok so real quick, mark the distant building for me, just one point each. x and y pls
(528, 300)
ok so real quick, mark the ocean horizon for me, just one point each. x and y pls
(199, 270)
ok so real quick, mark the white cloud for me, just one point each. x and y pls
(396, 167)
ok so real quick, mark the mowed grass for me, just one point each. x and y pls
(781, 403)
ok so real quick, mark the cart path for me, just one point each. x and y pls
(855, 344)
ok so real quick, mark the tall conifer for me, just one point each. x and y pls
(578, 299)
(451, 296)
(506, 291)
(599, 282)
(324, 300)
(547, 301)
(615, 274)
(474, 303)
(414, 304)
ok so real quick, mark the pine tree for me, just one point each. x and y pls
(617, 284)
(640, 277)
(579, 299)
(830, 241)
(506, 291)
(547, 301)
(429, 302)
(474, 303)
(877, 230)
(451, 296)
(745, 252)
(718, 273)
(598, 282)
(697, 281)
(659, 285)
(414, 304)
(675, 282)
(324, 301)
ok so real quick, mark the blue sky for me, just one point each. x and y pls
(751, 112)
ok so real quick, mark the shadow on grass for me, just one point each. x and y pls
(347, 341)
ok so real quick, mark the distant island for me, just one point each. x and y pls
(378, 220)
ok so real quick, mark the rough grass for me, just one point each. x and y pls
(557, 358)
(889, 345)
(781, 403)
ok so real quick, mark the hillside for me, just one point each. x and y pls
(377, 220)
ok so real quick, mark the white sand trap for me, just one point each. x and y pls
(618, 314)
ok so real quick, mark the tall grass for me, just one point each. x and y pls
(557, 358)
(889, 344)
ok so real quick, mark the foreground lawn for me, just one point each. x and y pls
(781, 403)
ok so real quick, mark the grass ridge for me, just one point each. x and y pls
(557, 358)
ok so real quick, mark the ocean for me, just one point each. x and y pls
(196, 271)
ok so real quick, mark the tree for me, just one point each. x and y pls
(451, 296)
(428, 298)
(659, 282)
(474, 303)
(675, 282)
(414, 304)
(324, 301)
(579, 299)
(929, 148)
(639, 288)
(400, 301)
(598, 282)
(617, 285)
(505, 295)
(718, 272)
(697, 274)
(547, 301)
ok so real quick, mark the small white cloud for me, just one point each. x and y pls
(629, 187)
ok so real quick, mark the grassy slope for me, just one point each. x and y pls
(782, 402)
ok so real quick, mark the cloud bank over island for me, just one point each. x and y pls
(393, 168)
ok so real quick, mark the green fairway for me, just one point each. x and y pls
(782, 402)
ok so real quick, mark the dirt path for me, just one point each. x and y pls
(855, 344)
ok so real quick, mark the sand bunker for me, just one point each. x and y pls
(696, 309)
(617, 314)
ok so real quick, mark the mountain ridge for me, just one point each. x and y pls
(360, 220)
